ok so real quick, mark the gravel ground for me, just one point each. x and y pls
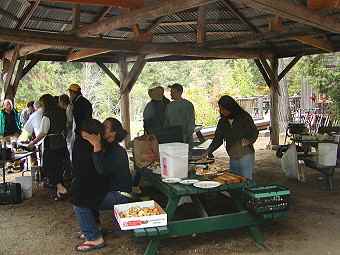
(40, 226)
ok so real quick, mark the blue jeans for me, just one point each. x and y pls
(87, 217)
(243, 166)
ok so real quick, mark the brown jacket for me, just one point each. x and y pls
(243, 127)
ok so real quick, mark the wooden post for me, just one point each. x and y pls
(12, 88)
(274, 103)
(125, 99)
(11, 69)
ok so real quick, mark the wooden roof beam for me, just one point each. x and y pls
(323, 44)
(296, 12)
(322, 4)
(240, 16)
(201, 25)
(137, 16)
(112, 3)
(154, 11)
(27, 15)
(9, 15)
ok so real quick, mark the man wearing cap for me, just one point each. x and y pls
(180, 112)
(154, 112)
(81, 107)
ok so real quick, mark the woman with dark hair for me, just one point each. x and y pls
(52, 128)
(111, 174)
(237, 128)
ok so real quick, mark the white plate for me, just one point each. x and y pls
(207, 184)
(189, 181)
(171, 180)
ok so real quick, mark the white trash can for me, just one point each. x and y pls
(327, 154)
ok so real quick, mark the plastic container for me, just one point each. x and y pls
(26, 185)
(174, 159)
(141, 221)
(327, 154)
(268, 201)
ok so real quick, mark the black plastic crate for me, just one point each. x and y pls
(267, 200)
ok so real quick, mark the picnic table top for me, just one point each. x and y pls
(178, 189)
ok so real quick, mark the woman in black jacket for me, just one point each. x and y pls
(237, 129)
(111, 167)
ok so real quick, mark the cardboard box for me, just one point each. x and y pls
(140, 222)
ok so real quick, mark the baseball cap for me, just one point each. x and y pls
(176, 86)
(74, 87)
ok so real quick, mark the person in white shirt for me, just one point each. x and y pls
(32, 125)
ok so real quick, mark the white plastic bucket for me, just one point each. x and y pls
(327, 154)
(174, 159)
(26, 185)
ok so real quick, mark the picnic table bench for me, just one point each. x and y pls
(205, 223)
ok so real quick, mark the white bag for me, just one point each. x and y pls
(289, 162)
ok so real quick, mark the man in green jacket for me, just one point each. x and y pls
(9, 120)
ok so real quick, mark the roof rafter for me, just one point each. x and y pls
(296, 12)
(127, 19)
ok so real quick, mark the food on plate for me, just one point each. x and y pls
(210, 170)
(203, 161)
(140, 212)
(230, 178)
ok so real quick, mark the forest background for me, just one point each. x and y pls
(204, 82)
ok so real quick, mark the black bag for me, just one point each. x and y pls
(10, 193)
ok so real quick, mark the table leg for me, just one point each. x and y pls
(171, 207)
(254, 231)
(170, 210)
(152, 247)
(203, 213)
(257, 235)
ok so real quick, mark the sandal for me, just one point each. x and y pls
(104, 232)
(86, 247)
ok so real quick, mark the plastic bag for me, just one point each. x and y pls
(289, 162)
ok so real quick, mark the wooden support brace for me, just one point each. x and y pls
(29, 67)
(271, 74)
(263, 72)
(288, 67)
(133, 75)
(109, 73)
(18, 77)
(11, 68)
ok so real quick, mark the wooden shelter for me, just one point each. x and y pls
(124, 31)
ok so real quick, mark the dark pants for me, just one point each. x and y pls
(88, 217)
(53, 165)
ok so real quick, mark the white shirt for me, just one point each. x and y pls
(44, 126)
(33, 123)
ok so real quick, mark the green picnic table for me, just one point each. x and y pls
(176, 228)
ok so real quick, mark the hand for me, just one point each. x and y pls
(245, 142)
(31, 145)
(93, 139)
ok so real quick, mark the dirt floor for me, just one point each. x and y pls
(42, 227)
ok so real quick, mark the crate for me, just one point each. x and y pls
(270, 201)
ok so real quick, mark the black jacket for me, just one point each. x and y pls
(89, 188)
(114, 163)
(243, 127)
(82, 110)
